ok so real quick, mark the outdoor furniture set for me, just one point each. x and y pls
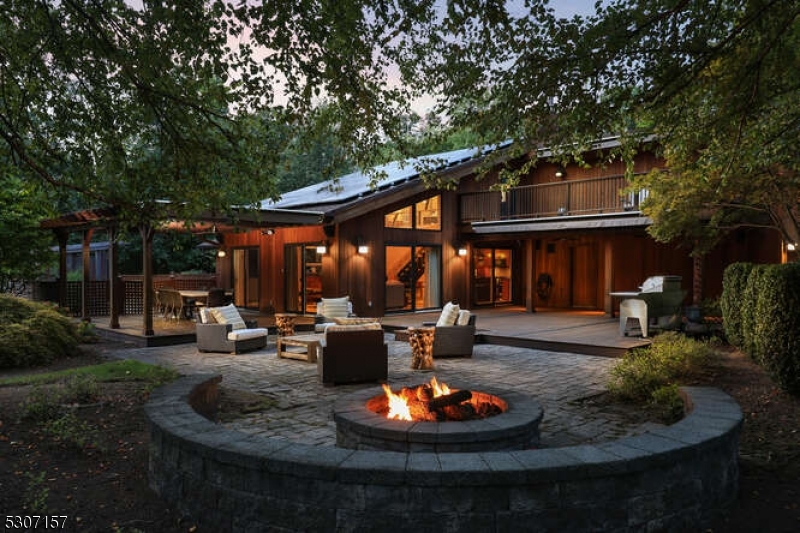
(346, 349)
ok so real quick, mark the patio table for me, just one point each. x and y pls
(310, 347)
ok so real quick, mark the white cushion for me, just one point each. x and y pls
(449, 314)
(463, 318)
(205, 316)
(243, 334)
(228, 314)
(333, 328)
(332, 307)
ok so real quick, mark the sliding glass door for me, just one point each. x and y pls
(303, 278)
(245, 277)
(492, 276)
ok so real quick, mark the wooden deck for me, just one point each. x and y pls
(585, 332)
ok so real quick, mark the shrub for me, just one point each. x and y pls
(667, 403)
(640, 375)
(747, 305)
(776, 329)
(34, 334)
(734, 281)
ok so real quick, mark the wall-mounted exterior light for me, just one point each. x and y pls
(461, 249)
(322, 249)
(362, 246)
(221, 252)
(561, 173)
(791, 247)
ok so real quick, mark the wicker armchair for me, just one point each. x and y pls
(454, 341)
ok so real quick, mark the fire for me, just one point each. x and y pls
(399, 403)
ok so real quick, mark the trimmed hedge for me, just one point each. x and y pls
(777, 324)
(734, 280)
(747, 304)
(34, 334)
(762, 317)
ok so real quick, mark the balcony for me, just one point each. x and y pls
(569, 198)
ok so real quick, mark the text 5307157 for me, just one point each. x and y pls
(35, 522)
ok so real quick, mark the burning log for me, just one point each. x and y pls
(454, 398)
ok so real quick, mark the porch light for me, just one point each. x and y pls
(791, 247)
(268, 231)
(322, 249)
(221, 252)
(561, 173)
(462, 249)
(362, 246)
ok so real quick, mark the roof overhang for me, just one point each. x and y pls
(561, 223)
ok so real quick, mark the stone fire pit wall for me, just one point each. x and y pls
(674, 478)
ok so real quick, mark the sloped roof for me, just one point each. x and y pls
(358, 184)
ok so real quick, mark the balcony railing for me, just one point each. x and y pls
(569, 198)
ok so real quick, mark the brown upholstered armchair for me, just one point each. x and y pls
(353, 354)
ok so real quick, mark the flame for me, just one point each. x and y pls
(398, 407)
(398, 403)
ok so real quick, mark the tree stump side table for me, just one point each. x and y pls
(284, 323)
(421, 341)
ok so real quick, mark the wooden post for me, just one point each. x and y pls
(87, 270)
(113, 266)
(147, 232)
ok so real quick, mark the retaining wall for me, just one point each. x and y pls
(675, 478)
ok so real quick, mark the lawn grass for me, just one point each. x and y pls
(123, 370)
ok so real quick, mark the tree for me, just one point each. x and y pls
(716, 82)
(24, 249)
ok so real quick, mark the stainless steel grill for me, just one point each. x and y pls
(656, 304)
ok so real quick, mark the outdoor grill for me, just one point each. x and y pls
(657, 303)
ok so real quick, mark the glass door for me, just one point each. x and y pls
(245, 277)
(413, 278)
(492, 276)
(303, 278)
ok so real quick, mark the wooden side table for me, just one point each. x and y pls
(284, 323)
(421, 341)
(310, 347)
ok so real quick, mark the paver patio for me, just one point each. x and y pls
(302, 409)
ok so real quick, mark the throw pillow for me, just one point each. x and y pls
(205, 316)
(333, 307)
(449, 315)
(463, 318)
(228, 315)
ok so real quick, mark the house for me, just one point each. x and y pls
(564, 238)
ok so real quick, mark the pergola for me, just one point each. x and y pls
(105, 219)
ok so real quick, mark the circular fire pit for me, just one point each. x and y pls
(361, 424)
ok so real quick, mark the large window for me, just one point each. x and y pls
(425, 215)
(413, 277)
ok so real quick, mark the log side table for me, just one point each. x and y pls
(284, 323)
(421, 341)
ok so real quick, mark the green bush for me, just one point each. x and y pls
(776, 339)
(642, 374)
(747, 305)
(734, 281)
(34, 334)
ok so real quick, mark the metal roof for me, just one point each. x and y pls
(358, 184)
